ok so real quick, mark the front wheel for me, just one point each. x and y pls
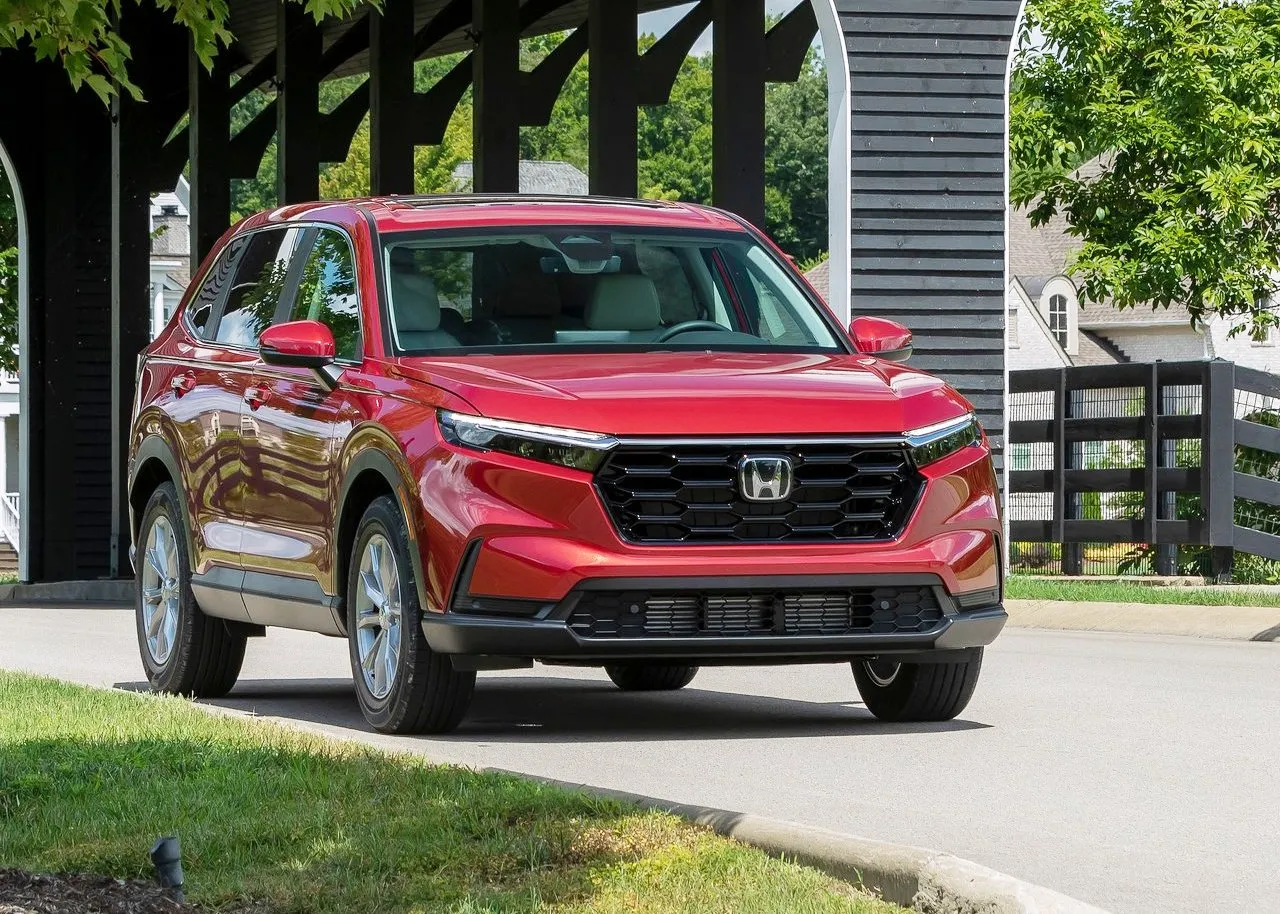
(651, 677)
(916, 691)
(403, 686)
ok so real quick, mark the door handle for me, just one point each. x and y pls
(182, 384)
(256, 396)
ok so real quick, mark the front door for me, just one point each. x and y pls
(293, 426)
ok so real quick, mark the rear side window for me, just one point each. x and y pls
(258, 286)
(327, 291)
(201, 308)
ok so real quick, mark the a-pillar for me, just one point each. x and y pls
(738, 92)
(614, 96)
(497, 83)
(298, 48)
(391, 98)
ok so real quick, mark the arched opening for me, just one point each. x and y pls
(14, 417)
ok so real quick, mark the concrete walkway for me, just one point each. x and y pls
(1230, 623)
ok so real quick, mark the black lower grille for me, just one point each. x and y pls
(691, 493)
(646, 613)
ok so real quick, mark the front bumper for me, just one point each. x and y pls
(555, 632)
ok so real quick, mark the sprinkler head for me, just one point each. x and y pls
(166, 856)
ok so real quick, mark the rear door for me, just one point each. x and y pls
(293, 430)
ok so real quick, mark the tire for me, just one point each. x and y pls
(402, 685)
(916, 691)
(651, 677)
(183, 651)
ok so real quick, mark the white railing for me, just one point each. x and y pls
(10, 519)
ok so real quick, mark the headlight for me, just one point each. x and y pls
(933, 442)
(564, 446)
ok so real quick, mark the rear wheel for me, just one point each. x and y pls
(916, 691)
(651, 677)
(183, 651)
(403, 686)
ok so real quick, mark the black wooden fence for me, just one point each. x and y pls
(1178, 458)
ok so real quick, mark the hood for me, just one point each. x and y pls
(695, 393)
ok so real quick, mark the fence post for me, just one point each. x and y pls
(1072, 553)
(1217, 464)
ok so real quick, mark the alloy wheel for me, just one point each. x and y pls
(161, 591)
(379, 610)
(882, 672)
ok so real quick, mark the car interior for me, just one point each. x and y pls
(541, 291)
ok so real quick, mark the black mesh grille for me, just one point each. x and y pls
(646, 613)
(690, 494)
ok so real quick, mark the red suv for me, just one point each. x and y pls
(467, 433)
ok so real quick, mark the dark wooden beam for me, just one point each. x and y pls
(614, 96)
(660, 65)
(434, 108)
(208, 148)
(390, 95)
(298, 51)
(497, 84)
(737, 102)
(534, 10)
(788, 43)
(541, 88)
(456, 15)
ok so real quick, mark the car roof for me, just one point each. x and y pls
(448, 211)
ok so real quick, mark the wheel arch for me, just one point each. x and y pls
(153, 465)
(370, 474)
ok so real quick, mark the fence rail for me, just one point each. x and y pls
(1166, 455)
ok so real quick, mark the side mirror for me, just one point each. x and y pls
(882, 338)
(306, 344)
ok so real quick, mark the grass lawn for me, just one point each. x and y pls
(1020, 588)
(279, 821)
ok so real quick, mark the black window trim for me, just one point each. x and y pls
(292, 280)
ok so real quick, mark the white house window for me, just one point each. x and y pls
(1058, 319)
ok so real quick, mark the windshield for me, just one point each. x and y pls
(558, 288)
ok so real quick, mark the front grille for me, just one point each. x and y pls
(690, 493)
(860, 610)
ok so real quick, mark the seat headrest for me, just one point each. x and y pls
(624, 301)
(529, 293)
(415, 300)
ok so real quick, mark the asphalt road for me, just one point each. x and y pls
(1137, 773)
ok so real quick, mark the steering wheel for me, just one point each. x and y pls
(686, 326)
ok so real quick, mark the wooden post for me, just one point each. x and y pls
(391, 98)
(497, 84)
(614, 97)
(737, 101)
(298, 48)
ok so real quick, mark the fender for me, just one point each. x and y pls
(155, 447)
(373, 458)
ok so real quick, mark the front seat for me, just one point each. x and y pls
(415, 305)
(625, 302)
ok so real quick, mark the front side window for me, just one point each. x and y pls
(327, 291)
(259, 283)
(596, 289)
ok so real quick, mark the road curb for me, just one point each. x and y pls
(109, 594)
(928, 881)
(1231, 623)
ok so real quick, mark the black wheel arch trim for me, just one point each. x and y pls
(155, 447)
(378, 461)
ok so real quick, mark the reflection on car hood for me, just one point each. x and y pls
(695, 393)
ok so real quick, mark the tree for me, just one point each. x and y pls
(1179, 101)
(82, 36)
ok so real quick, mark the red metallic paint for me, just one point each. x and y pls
(306, 339)
(876, 335)
(264, 483)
